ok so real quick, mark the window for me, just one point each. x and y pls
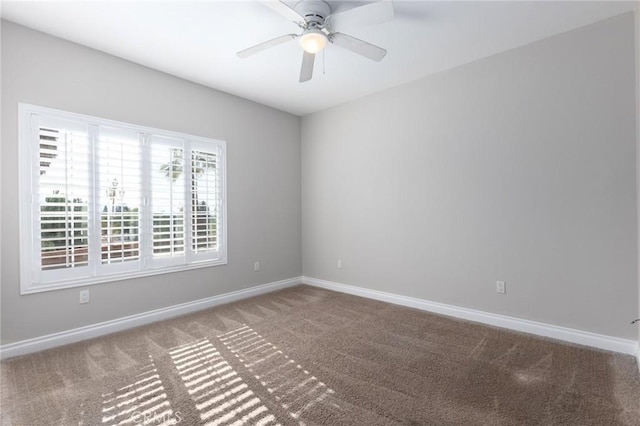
(103, 200)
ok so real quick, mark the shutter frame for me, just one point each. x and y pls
(36, 156)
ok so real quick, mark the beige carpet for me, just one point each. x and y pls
(315, 357)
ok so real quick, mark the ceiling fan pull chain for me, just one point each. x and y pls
(324, 52)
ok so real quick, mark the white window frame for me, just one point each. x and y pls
(29, 205)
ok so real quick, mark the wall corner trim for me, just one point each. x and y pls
(53, 340)
(600, 341)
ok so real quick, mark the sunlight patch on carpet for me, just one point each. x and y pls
(219, 393)
(142, 402)
(291, 385)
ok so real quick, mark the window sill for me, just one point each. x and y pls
(83, 282)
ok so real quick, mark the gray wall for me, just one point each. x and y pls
(263, 150)
(519, 167)
(637, 27)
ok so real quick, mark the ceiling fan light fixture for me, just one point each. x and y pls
(313, 40)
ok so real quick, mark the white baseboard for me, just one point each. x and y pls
(95, 330)
(580, 337)
(49, 341)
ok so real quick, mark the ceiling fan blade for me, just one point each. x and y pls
(358, 46)
(369, 14)
(283, 10)
(265, 45)
(306, 72)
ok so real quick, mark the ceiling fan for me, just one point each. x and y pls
(319, 27)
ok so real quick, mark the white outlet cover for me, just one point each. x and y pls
(501, 287)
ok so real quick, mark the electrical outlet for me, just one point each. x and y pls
(84, 296)
(339, 263)
(501, 287)
(256, 266)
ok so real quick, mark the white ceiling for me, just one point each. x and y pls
(197, 40)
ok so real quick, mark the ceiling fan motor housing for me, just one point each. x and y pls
(314, 11)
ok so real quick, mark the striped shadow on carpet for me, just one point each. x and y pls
(308, 356)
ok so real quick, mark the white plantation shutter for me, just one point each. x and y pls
(185, 195)
(167, 200)
(205, 197)
(104, 200)
(119, 191)
(62, 216)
